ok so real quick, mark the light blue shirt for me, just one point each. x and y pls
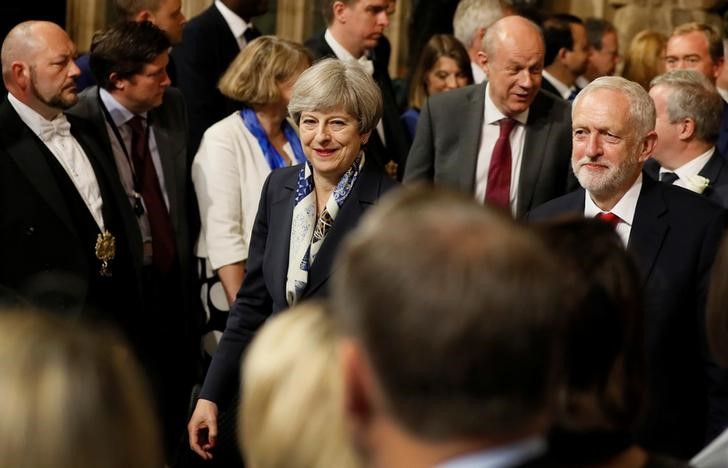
(500, 457)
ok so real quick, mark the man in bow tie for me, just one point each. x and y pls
(355, 32)
(673, 236)
(66, 234)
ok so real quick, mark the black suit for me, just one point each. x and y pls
(445, 149)
(47, 235)
(674, 239)
(397, 143)
(263, 292)
(207, 49)
(172, 317)
(715, 170)
(547, 86)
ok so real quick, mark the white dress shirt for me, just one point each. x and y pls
(690, 168)
(70, 155)
(624, 208)
(236, 24)
(488, 137)
(478, 73)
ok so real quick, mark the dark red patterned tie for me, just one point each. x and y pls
(609, 218)
(163, 249)
(498, 190)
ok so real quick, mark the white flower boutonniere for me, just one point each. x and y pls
(696, 183)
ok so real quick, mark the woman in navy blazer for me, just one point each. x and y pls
(304, 213)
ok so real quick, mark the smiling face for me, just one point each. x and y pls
(608, 154)
(144, 91)
(331, 141)
(514, 67)
(444, 76)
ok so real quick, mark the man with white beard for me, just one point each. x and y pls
(673, 235)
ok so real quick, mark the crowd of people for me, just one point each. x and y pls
(222, 248)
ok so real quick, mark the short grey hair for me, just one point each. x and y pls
(331, 84)
(642, 109)
(693, 96)
(473, 14)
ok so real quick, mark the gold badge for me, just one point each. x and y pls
(105, 251)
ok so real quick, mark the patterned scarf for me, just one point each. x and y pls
(309, 233)
(274, 158)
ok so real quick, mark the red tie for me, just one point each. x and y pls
(609, 218)
(498, 190)
(163, 249)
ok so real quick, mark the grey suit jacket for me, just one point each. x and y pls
(447, 140)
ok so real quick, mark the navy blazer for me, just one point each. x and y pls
(715, 170)
(447, 142)
(263, 291)
(674, 239)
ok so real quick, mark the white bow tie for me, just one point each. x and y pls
(57, 126)
(366, 64)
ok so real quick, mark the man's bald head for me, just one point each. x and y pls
(38, 67)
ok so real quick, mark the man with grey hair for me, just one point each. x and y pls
(603, 55)
(689, 111)
(505, 141)
(483, 395)
(472, 18)
(673, 235)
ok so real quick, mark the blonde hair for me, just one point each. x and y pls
(291, 394)
(257, 71)
(645, 57)
(72, 397)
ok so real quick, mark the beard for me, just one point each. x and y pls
(62, 99)
(616, 176)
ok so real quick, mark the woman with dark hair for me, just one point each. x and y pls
(603, 391)
(444, 64)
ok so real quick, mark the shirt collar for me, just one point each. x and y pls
(30, 116)
(236, 24)
(563, 90)
(624, 208)
(693, 166)
(339, 50)
(119, 114)
(508, 455)
(493, 114)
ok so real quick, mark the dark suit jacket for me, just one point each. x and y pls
(207, 49)
(547, 86)
(722, 143)
(674, 239)
(169, 123)
(264, 288)
(42, 256)
(397, 143)
(715, 170)
(445, 149)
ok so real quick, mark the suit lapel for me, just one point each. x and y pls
(649, 227)
(279, 235)
(472, 126)
(534, 148)
(172, 164)
(711, 171)
(27, 150)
